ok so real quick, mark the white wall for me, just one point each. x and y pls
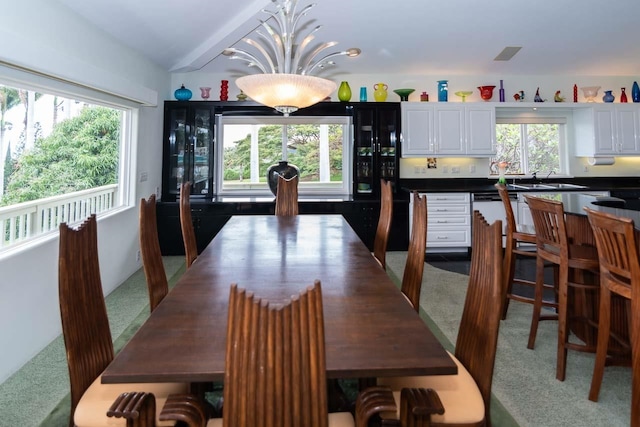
(68, 47)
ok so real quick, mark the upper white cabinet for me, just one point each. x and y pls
(431, 129)
(607, 130)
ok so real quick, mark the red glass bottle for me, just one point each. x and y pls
(575, 93)
(623, 95)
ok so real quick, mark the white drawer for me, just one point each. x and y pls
(437, 198)
(450, 209)
(445, 238)
(448, 221)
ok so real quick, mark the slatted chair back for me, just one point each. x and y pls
(414, 267)
(477, 340)
(384, 223)
(617, 242)
(186, 224)
(85, 325)
(275, 362)
(152, 264)
(287, 196)
(551, 232)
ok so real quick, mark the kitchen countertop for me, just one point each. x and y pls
(629, 187)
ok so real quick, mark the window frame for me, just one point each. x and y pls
(127, 151)
(563, 122)
(305, 188)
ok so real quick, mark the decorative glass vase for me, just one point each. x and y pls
(363, 94)
(344, 92)
(608, 96)
(635, 92)
(205, 92)
(443, 90)
(623, 95)
(182, 94)
(380, 92)
(285, 169)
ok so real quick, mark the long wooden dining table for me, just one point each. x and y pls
(370, 328)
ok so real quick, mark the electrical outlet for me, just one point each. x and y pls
(138, 256)
(445, 169)
(472, 168)
(423, 171)
(144, 176)
(416, 170)
(586, 168)
(455, 169)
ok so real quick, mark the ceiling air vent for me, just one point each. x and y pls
(507, 53)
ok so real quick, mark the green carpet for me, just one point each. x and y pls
(524, 382)
(38, 394)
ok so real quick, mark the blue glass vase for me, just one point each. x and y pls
(635, 92)
(443, 90)
(182, 94)
(608, 96)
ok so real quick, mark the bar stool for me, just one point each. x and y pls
(573, 261)
(619, 274)
(517, 234)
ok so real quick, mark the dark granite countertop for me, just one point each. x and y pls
(629, 187)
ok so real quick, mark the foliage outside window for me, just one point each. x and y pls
(530, 147)
(60, 161)
(318, 146)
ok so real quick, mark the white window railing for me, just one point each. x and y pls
(25, 220)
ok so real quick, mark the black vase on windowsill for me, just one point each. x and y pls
(283, 168)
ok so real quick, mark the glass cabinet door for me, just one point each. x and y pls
(188, 149)
(387, 134)
(365, 152)
(201, 171)
(178, 145)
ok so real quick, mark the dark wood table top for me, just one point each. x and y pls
(370, 329)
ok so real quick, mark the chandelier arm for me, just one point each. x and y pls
(303, 12)
(305, 68)
(323, 60)
(247, 57)
(301, 49)
(276, 43)
(263, 51)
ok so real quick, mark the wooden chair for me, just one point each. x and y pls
(464, 399)
(574, 262)
(275, 372)
(287, 196)
(85, 327)
(619, 274)
(186, 223)
(384, 223)
(414, 267)
(152, 264)
(517, 234)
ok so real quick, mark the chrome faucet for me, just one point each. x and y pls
(551, 172)
(534, 176)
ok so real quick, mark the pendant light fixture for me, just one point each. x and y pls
(285, 82)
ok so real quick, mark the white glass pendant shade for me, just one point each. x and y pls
(286, 92)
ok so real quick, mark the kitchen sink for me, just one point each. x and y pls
(546, 186)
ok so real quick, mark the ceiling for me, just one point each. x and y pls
(452, 37)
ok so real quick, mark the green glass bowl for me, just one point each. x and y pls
(404, 93)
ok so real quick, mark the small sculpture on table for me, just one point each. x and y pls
(557, 97)
(537, 97)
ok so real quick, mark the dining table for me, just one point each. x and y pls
(370, 328)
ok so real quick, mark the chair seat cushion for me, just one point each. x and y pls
(96, 401)
(459, 394)
(338, 419)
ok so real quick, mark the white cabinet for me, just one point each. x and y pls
(448, 221)
(607, 130)
(447, 129)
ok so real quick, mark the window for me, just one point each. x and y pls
(62, 158)
(531, 145)
(318, 146)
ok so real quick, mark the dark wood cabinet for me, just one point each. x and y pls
(188, 154)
